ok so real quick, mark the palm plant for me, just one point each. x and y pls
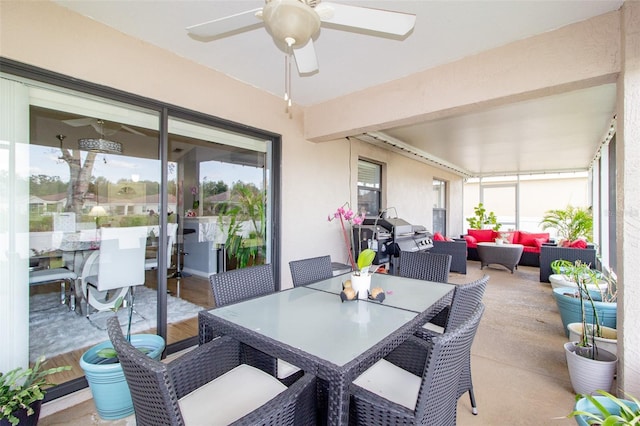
(570, 223)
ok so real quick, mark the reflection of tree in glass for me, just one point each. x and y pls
(79, 177)
(246, 246)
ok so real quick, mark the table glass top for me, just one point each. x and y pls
(317, 322)
(400, 292)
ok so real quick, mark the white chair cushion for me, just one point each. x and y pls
(435, 328)
(285, 369)
(391, 382)
(229, 397)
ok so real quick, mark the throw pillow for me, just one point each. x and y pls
(438, 237)
(470, 240)
(482, 235)
(582, 244)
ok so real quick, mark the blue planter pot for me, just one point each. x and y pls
(570, 311)
(583, 404)
(109, 388)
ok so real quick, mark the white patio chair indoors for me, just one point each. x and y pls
(152, 263)
(241, 284)
(61, 275)
(109, 273)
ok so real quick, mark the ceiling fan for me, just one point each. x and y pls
(101, 126)
(296, 22)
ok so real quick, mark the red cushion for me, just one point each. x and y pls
(482, 235)
(540, 242)
(529, 239)
(471, 241)
(449, 239)
(438, 237)
(578, 244)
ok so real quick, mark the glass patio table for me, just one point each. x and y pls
(404, 293)
(334, 340)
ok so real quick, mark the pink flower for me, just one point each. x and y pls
(347, 215)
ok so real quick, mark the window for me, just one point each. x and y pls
(369, 188)
(155, 164)
(439, 206)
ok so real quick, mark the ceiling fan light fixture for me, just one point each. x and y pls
(291, 19)
(100, 145)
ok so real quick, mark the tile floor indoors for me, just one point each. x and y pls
(519, 369)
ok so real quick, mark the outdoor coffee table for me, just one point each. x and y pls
(507, 255)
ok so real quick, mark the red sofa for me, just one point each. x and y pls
(532, 243)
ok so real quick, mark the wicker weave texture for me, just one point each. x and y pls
(437, 399)
(241, 284)
(550, 253)
(466, 299)
(425, 266)
(307, 271)
(458, 251)
(156, 387)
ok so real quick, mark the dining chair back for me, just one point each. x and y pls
(391, 392)
(209, 385)
(246, 283)
(307, 271)
(466, 298)
(110, 272)
(425, 266)
(241, 284)
(152, 263)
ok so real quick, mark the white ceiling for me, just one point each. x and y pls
(505, 139)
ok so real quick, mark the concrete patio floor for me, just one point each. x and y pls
(518, 364)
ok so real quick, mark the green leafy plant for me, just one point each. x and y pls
(110, 353)
(21, 387)
(365, 259)
(628, 415)
(249, 208)
(482, 218)
(570, 223)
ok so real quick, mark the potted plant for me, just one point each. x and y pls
(606, 409)
(590, 367)
(22, 391)
(104, 373)
(602, 296)
(361, 277)
(483, 219)
(570, 223)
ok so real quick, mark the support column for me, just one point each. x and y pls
(628, 199)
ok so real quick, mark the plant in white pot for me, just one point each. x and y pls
(590, 368)
(104, 373)
(22, 391)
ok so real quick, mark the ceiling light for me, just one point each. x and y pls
(100, 145)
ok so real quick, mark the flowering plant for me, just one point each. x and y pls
(196, 202)
(345, 215)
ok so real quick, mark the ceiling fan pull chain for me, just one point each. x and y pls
(287, 74)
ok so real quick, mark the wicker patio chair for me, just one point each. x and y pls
(425, 266)
(417, 383)
(466, 298)
(209, 385)
(307, 271)
(246, 283)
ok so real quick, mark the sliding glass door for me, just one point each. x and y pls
(73, 164)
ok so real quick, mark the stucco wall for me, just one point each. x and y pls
(316, 178)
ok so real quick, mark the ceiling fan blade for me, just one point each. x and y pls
(228, 24)
(306, 58)
(78, 122)
(378, 20)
